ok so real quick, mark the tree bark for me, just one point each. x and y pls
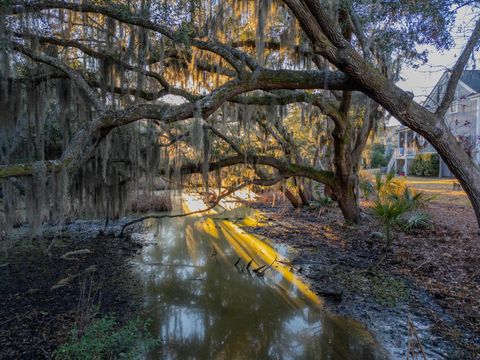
(346, 197)
(330, 43)
(292, 198)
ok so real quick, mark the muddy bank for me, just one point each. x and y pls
(387, 293)
(42, 285)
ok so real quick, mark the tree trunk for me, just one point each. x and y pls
(331, 44)
(292, 198)
(346, 197)
(303, 196)
(301, 193)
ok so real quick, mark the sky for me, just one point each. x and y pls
(421, 80)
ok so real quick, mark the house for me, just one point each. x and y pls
(463, 118)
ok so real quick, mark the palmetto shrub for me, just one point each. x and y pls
(399, 207)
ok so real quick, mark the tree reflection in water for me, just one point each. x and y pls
(202, 307)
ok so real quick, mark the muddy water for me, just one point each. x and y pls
(204, 307)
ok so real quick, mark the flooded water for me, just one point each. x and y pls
(204, 307)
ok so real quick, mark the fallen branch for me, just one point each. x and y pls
(411, 351)
(268, 182)
(173, 265)
(213, 204)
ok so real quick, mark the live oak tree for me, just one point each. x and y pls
(324, 31)
(90, 89)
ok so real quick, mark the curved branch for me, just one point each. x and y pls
(74, 75)
(87, 139)
(233, 56)
(286, 169)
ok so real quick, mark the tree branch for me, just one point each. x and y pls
(217, 201)
(74, 75)
(457, 71)
(233, 56)
(286, 169)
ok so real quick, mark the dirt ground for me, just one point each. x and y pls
(432, 277)
(43, 291)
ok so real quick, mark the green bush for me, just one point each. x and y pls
(398, 206)
(425, 165)
(103, 339)
(377, 156)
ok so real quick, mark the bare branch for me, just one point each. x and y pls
(457, 71)
(220, 197)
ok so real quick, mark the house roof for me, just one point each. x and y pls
(472, 79)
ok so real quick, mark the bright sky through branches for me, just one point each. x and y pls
(420, 81)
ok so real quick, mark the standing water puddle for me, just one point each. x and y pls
(203, 307)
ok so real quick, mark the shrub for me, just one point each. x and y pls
(398, 206)
(415, 219)
(366, 187)
(270, 197)
(377, 156)
(388, 212)
(103, 339)
(425, 165)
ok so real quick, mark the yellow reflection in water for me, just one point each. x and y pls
(248, 247)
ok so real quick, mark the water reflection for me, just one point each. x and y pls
(202, 307)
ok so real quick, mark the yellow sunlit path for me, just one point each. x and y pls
(249, 247)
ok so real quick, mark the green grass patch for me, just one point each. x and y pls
(104, 339)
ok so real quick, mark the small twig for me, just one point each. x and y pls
(415, 334)
(419, 266)
(261, 273)
(379, 262)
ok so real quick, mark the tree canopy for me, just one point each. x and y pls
(101, 97)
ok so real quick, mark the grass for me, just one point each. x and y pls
(104, 339)
(385, 290)
(388, 291)
(440, 189)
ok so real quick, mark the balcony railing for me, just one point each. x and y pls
(402, 151)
